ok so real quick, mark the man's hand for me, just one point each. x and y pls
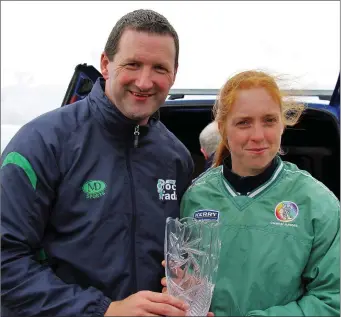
(164, 284)
(164, 289)
(146, 303)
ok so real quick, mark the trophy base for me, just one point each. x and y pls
(198, 297)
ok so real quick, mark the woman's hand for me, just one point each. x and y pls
(164, 289)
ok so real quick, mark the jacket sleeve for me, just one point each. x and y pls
(187, 173)
(29, 178)
(322, 272)
(190, 169)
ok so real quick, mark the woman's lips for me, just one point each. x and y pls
(257, 150)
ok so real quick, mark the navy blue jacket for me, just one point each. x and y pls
(73, 183)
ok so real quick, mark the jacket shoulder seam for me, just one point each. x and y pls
(210, 173)
(317, 182)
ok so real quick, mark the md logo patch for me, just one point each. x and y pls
(94, 189)
(206, 214)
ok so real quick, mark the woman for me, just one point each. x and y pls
(280, 226)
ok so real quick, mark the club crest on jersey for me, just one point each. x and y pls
(286, 211)
(206, 214)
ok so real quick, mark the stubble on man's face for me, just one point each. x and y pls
(141, 74)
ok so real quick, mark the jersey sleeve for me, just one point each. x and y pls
(29, 177)
(322, 272)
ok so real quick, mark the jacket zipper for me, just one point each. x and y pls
(136, 136)
(133, 221)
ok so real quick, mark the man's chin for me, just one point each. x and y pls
(141, 119)
(140, 116)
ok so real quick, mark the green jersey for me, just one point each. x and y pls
(280, 253)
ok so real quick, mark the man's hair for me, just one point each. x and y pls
(209, 138)
(147, 21)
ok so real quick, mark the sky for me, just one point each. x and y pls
(42, 42)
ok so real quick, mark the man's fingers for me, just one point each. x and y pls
(163, 263)
(210, 314)
(164, 283)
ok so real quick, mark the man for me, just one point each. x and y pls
(93, 183)
(209, 139)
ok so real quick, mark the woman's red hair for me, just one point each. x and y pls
(291, 111)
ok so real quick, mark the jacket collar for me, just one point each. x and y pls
(245, 185)
(107, 114)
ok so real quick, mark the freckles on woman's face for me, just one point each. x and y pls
(253, 130)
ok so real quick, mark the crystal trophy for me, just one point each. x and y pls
(192, 249)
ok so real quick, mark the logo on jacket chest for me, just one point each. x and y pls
(94, 189)
(206, 214)
(286, 212)
(166, 189)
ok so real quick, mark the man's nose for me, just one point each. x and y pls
(144, 81)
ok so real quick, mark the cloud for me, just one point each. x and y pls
(218, 38)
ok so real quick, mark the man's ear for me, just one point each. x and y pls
(105, 66)
(204, 153)
(175, 72)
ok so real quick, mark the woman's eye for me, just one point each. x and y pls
(270, 120)
(241, 123)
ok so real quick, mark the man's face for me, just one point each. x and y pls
(141, 74)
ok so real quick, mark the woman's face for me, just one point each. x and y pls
(254, 128)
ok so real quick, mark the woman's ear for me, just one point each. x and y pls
(220, 128)
(283, 128)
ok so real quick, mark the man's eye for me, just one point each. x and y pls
(132, 65)
(160, 69)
